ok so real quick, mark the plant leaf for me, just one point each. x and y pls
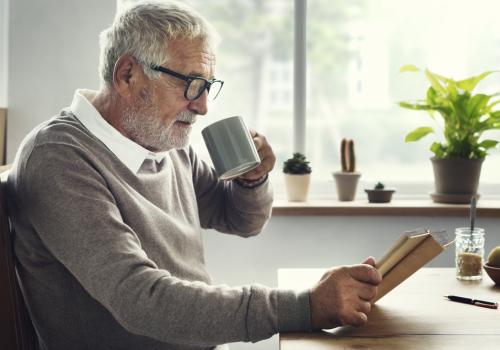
(418, 133)
(493, 104)
(470, 83)
(476, 104)
(415, 106)
(486, 144)
(432, 96)
(452, 90)
(408, 68)
(434, 80)
(438, 149)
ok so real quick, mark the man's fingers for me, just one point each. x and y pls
(266, 165)
(365, 307)
(254, 174)
(343, 295)
(258, 139)
(266, 155)
(359, 319)
(367, 292)
(258, 142)
(369, 261)
(365, 273)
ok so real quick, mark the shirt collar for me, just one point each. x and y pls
(127, 151)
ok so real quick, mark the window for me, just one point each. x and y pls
(354, 51)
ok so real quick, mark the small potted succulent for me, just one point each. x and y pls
(379, 194)
(297, 177)
(347, 179)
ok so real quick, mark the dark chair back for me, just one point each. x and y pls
(16, 329)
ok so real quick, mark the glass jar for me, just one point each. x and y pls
(469, 253)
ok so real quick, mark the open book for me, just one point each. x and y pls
(410, 252)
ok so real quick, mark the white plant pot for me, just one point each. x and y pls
(297, 187)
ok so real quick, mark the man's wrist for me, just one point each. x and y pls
(294, 311)
(251, 183)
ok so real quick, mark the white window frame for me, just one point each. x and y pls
(299, 77)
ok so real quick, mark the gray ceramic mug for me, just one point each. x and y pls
(231, 147)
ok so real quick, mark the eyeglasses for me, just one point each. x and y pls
(195, 86)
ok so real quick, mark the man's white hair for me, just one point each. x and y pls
(144, 30)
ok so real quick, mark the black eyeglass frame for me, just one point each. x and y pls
(189, 79)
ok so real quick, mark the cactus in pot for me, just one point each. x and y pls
(347, 179)
(347, 156)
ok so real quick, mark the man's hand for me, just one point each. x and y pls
(342, 296)
(267, 158)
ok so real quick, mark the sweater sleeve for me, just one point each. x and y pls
(69, 205)
(227, 206)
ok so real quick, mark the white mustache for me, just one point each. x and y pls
(186, 117)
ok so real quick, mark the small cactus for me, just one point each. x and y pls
(379, 186)
(343, 158)
(347, 156)
(297, 165)
(352, 158)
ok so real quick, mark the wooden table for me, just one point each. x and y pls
(413, 316)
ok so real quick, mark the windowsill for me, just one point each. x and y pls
(425, 207)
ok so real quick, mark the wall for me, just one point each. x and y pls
(4, 32)
(291, 242)
(53, 49)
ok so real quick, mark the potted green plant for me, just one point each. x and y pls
(347, 179)
(297, 172)
(466, 116)
(379, 194)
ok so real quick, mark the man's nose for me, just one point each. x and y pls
(199, 106)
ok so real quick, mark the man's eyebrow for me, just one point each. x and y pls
(197, 74)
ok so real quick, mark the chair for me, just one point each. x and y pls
(16, 329)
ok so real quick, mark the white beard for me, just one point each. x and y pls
(143, 124)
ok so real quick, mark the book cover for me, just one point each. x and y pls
(408, 254)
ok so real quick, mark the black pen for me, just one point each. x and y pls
(476, 302)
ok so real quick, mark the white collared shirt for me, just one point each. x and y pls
(127, 151)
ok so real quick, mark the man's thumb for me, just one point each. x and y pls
(370, 261)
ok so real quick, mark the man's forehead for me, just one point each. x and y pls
(191, 54)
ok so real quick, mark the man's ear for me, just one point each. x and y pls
(126, 74)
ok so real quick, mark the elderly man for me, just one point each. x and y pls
(108, 201)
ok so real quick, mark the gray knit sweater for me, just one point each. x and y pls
(110, 259)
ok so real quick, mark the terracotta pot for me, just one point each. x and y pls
(346, 185)
(297, 187)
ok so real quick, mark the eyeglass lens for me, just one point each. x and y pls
(198, 86)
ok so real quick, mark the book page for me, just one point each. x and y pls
(443, 237)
